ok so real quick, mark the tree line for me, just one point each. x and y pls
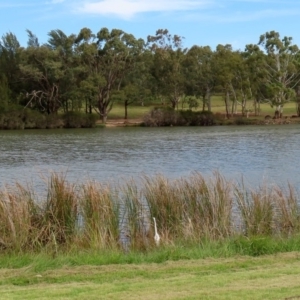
(91, 71)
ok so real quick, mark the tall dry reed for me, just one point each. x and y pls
(19, 214)
(60, 212)
(190, 208)
(166, 204)
(99, 216)
(135, 218)
(287, 220)
(257, 209)
(92, 215)
(208, 206)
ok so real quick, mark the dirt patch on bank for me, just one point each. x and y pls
(121, 122)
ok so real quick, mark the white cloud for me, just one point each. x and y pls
(129, 8)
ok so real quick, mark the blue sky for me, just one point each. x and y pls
(201, 22)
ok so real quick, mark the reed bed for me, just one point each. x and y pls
(99, 216)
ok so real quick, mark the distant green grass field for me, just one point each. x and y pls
(218, 106)
(134, 112)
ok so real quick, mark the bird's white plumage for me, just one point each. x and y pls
(156, 235)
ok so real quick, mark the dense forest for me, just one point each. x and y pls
(79, 77)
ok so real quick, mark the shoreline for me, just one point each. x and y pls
(236, 120)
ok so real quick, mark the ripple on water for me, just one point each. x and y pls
(257, 152)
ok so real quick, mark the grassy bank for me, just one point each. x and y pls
(217, 106)
(218, 240)
(267, 277)
(163, 115)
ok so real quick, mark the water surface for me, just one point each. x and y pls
(257, 152)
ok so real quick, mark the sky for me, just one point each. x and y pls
(200, 22)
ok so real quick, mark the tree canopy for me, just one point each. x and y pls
(91, 71)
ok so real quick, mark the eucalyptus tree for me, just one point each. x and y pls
(225, 64)
(199, 74)
(10, 51)
(86, 57)
(42, 69)
(282, 69)
(167, 64)
(241, 90)
(298, 101)
(107, 60)
(5, 93)
(254, 59)
(136, 85)
(64, 46)
(33, 40)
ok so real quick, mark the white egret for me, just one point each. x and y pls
(156, 235)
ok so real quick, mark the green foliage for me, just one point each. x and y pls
(203, 118)
(163, 117)
(21, 118)
(5, 93)
(171, 117)
(91, 71)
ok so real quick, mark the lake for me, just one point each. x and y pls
(259, 153)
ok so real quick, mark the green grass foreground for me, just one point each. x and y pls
(240, 277)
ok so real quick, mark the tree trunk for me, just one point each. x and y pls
(227, 105)
(208, 96)
(234, 102)
(126, 109)
(173, 103)
(298, 102)
(278, 112)
(244, 103)
(90, 106)
(104, 119)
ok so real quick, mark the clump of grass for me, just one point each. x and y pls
(136, 227)
(60, 211)
(257, 210)
(288, 211)
(166, 204)
(100, 216)
(191, 208)
(17, 211)
(21, 219)
(208, 206)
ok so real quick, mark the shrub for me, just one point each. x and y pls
(244, 121)
(170, 117)
(33, 119)
(79, 120)
(203, 118)
(163, 117)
